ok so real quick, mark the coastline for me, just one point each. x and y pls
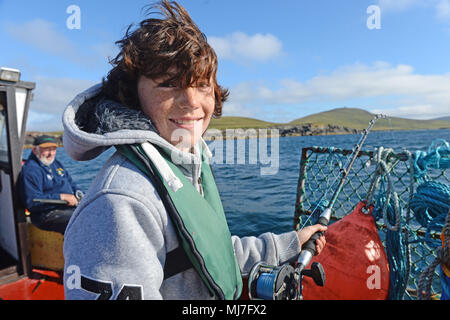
(247, 133)
(307, 129)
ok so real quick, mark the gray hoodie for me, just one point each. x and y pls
(116, 242)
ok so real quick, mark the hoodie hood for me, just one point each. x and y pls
(92, 124)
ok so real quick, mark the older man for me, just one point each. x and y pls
(46, 188)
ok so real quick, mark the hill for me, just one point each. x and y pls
(351, 118)
(239, 122)
(359, 119)
(336, 121)
(443, 118)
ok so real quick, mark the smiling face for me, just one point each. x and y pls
(45, 154)
(181, 115)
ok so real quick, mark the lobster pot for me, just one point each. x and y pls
(320, 169)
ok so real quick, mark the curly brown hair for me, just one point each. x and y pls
(157, 45)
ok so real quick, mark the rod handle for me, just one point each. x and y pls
(310, 245)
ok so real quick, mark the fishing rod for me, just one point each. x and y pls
(50, 201)
(309, 248)
(268, 282)
(78, 194)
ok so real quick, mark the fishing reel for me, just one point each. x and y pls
(267, 282)
(79, 195)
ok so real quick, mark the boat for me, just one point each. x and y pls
(32, 262)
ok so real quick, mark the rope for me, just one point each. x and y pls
(429, 204)
(446, 255)
(442, 257)
(387, 206)
(408, 215)
(396, 246)
(382, 173)
(432, 199)
(437, 157)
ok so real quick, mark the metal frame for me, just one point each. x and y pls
(306, 153)
(15, 143)
(302, 211)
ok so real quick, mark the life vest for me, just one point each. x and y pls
(199, 221)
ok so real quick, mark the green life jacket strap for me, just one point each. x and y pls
(217, 268)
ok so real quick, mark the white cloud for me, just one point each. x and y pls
(40, 34)
(51, 97)
(400, 5)
(238, 45)
(420, 112)
(105, 50)
(53, 94)
(443, 9)
(404, 93)
(47, 122)
(48, 38)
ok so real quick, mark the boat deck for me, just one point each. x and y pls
(42, 285)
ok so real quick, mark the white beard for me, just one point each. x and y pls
(45, 161)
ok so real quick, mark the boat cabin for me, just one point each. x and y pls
(31, 260)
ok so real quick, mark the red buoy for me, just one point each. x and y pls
(354, 260)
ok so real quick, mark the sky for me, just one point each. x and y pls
(281, 60)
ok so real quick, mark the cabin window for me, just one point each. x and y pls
(3, 132)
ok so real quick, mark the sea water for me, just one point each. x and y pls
(256, 203)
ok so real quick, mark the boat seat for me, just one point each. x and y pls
(46, 248)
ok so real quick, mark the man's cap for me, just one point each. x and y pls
(45, 141)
